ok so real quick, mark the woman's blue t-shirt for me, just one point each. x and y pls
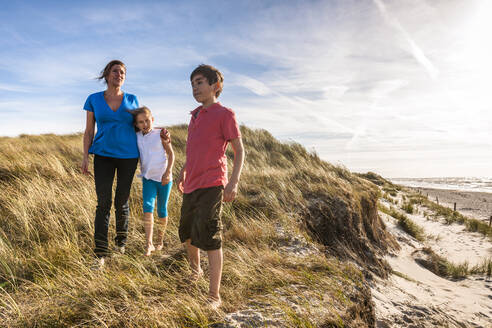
(115, 136)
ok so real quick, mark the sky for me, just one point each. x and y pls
(401, 88)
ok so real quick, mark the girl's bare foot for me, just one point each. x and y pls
(160, 241)
(149, 249)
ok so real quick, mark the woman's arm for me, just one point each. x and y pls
(166, 177)
(90, 124)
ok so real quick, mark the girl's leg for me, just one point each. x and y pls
(149, 193)
(125, 171)
(162, 201)
(149, 229)
(104, 169)
(161, 231)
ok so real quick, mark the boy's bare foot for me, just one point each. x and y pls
(195, 275)
(214, 302)
(159, 247)
(149, 249)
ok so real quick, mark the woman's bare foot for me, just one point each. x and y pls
(149, 249)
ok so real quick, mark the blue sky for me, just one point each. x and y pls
(401, 88)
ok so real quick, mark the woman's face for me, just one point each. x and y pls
(116, 76)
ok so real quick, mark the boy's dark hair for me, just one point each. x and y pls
(137, 111)
(105, 72)
(212, 75)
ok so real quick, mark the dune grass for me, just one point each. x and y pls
(447, 269)
(46, 226)
(450, 216)
(404, 222)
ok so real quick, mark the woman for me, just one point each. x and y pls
(115, 151)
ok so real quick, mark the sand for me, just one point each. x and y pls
(477, 205)
(416, 297)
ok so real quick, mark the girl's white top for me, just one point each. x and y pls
(153, 159)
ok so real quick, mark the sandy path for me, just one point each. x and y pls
(415, 297)
(472, 204)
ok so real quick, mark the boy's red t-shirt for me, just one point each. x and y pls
(209, 132)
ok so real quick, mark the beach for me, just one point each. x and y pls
(472, 204)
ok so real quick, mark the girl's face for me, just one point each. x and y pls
(144, 122)
(116, 76)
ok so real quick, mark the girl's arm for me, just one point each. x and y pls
(88, 138)
(166, 177)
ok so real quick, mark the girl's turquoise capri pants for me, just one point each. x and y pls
(154, 189)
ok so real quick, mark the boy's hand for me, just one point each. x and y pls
(166, 178)
(165, 135)
(230, 192)
(180, 181)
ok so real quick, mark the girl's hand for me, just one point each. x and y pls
(166, 178)
(84, 167)
(165, 135)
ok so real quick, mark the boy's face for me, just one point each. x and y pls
(203, 92)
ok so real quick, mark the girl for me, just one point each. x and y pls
(156, 164)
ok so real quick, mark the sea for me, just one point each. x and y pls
(450, 183)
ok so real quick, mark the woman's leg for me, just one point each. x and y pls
(162, 201)
(124, 176)
(104, 168)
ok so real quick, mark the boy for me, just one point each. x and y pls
(203, 179)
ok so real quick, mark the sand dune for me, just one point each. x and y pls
(416, 297)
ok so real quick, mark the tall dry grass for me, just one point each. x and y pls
(46, 240)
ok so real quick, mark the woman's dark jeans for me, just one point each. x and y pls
(104, 170)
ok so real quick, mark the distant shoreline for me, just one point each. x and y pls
(475, 204)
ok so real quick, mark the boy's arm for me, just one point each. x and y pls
(230, 190)
(166, 177)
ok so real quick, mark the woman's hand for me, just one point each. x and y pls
(84, 168)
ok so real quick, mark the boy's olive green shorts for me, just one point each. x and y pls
(200, 218)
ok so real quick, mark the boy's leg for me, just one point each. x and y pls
(208, 227)
(125, 172)
(185, 228)
(162, 201)
(104, 170)
(215, 260)
(194, 259)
